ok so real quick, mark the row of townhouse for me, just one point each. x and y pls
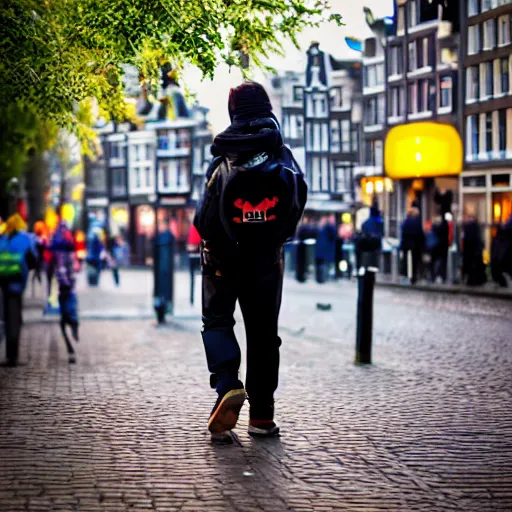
(149, 178)
(445, 61)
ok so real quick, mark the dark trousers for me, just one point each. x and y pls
(255, 280)
(321, 268)
(439, 265)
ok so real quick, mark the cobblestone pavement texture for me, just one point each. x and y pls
(427, 427)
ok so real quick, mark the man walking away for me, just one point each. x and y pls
(412, 242)
(473, 267)
(254, 198)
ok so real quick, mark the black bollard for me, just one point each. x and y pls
(301, 262)
(366, 284)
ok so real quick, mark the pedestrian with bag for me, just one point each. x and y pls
(253, 201)
(18, 255)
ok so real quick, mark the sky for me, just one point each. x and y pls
(214, 94)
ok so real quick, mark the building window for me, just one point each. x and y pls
(343, 175)
(473, 39)
(489, 34)
(147, 172)
(300, 127)
(373, 153)
(335, 136)
(374, 111)
(504, 27)
(149, 154)
(316, 139)
(400, 26)
(412, 92)
(395, 63)
(136, 151)
(445, 96)
(379, 68)
(412, 13)
(424, 52)
(137, 177)
(489, 82)
(412, 56)
(183, 139)
(323, 107)
(355, 137)
(472, 137)
(473, 7)
(163, 142)
(345, 136)
(114, 150)
(488, 132)
(504, 75)
(472, 84)
(370, 76)
(502, 130)
(396, 98)
(487, 5)
(335, 97)
(325, 137)
(298, 93)
(165, 175)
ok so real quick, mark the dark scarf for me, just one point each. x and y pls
(245, 138)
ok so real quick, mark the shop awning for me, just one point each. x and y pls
(423, 150)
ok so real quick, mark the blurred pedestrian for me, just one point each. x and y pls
(254, 198)
(437, 244)
(18, 255)
(374, 225)
(473, 267)
(325, 249)
(41, 238)
(501, 254)
(412, 244)
(95, 255)
(62, 247)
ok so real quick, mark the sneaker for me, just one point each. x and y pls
(225, 413)
(72, 359)
(262, 428)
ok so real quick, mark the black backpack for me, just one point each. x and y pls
(256, 206)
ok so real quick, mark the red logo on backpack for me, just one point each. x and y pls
(256, 213)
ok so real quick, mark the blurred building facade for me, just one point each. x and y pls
(320, 113)
(486, 183)
(149, 175)
(411, 71)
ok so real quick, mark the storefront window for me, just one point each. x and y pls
(501, 207)
(475, 204)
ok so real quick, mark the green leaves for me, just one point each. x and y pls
(58, 53)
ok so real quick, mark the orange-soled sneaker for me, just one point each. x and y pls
(225, 413)
(263, 428)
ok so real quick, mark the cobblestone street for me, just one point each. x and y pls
(427, 427)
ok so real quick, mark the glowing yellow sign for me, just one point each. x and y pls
(423, 150)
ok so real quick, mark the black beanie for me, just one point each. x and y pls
(249, 101)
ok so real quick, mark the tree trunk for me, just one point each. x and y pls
(36, 185)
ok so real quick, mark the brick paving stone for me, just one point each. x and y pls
(427, 427)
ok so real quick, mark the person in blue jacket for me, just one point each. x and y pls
(18, 254)
(325, 249)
